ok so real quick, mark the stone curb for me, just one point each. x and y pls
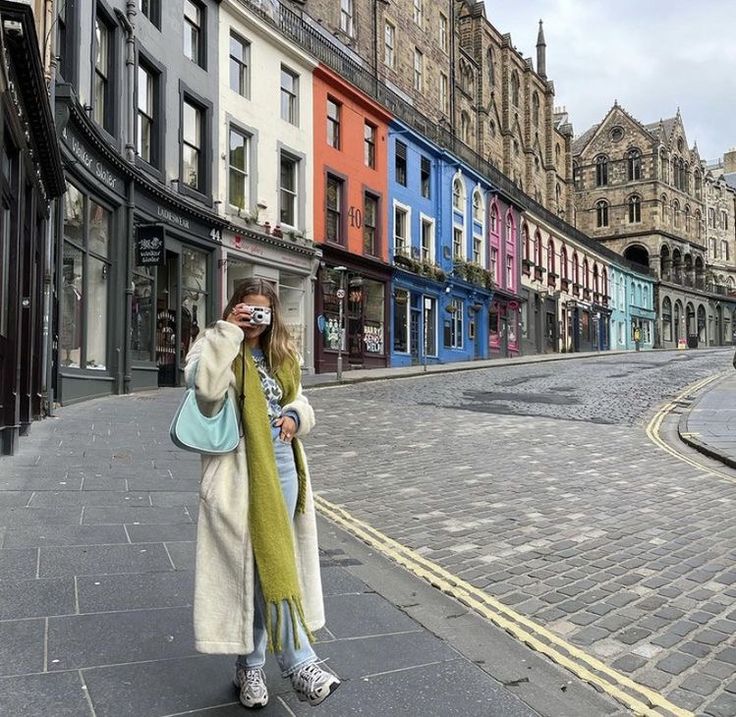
(685, 436)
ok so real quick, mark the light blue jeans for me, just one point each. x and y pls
(290, 659)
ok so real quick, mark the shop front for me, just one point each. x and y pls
(289, 265)
(136, 277)
(414, 312)
(352, 312)
(503, 332)
(91, 267)
(31, 177)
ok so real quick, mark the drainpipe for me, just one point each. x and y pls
(47, 369)
(127, 20)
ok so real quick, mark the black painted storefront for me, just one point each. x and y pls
(123, 324)
(31, 177)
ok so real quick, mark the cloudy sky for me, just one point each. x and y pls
(653, 56)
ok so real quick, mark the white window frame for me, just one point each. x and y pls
(347, 17)
(443, 33)
(457, 318)
(478, 238)
(231, 128)
(389, 48)
(425, 220)
(480, 218)
(293, 118)
(444, 93)
(295, 193)
(434, 300)
(407, 213)
(455, 227)
(418, 12)
(418, 70)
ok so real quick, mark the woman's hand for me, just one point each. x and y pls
(288, 427)
(240, 315)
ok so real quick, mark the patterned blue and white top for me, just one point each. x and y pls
(271, 387)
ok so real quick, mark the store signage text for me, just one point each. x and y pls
(92, 164)
(172, 218)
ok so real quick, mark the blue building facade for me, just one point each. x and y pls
(441, 292)
(632, 301)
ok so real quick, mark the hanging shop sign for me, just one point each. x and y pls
(150, 245)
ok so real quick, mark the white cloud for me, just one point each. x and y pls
(653, 56)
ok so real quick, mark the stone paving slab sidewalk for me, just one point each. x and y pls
(709, 425)
(97, 523)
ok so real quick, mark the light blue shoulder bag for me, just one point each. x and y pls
(211, 435)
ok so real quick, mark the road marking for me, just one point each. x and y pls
(640, 699)
(654, 426)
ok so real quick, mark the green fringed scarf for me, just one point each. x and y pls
(271, 528)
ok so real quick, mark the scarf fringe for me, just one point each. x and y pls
(275, 627)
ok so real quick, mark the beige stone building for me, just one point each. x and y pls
(720, 222)
(641, 190)
(464, 75)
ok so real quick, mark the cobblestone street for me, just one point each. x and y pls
(538, 484)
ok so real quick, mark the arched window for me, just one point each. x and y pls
(564, 269)
(665, 213)
(550, 257)
(535, 109)
(489, 63)
(515, 88)
(683, 175)
(664, 166)
(586, 278)
(596, 279)
(494, 219)
(604, 284)
(676, 214)
(528, 252)
(633, 164)
(601, 213)
(687, 217)
(667, 318)
(577, 177)
(478, 206)
(558, 197)
(601, 170)
(458, 194)
(634, 209)
(464, 127)
(698, 181)
(575, 269)
(698, 224)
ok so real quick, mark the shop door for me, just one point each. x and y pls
(414, 334)
(355, 323)
(167, 320)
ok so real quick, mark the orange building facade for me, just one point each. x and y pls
(350, 224)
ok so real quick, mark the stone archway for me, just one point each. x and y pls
(665, 263)
(678, 321)
(690, 325)
(638, 254)
(701, 326)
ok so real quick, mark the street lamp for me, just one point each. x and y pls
(341, 300)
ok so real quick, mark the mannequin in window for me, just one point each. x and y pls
(71, 315)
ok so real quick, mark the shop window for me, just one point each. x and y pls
(194, 31)
(373, 315)
(291, 297)
(238, 169)
(370, 219)
(193, 297)
(85, 282)
(334, 110)
(430, 326)
(143, 315)
(289, 96)
(369, 145)
(334, 202)
(401, 321)
(104, 73)
(454, 324)
(239, 65)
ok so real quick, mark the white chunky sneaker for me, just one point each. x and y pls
(251, 681)
(313, 684)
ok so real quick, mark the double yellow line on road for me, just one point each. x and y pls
(640, 699)
(655, 425)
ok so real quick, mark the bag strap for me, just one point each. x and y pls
(242, 382)
(192, 374)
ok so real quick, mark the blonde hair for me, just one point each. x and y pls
(276, 342)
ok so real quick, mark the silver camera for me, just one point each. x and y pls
(260, 315)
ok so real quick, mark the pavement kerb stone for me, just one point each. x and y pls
(380, 374)
(685, 435)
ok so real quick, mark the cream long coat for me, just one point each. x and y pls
(224, 571)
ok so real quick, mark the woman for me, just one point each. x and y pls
(257, 580)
